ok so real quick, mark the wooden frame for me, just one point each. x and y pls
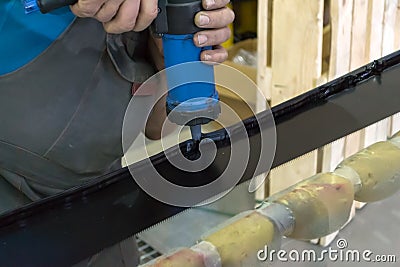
(302, 44)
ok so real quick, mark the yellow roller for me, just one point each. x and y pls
(240, 238)
(378, 168)
(320, 205)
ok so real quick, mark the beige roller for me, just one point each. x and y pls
(239, 239)
(184, 257)
(320, 205)
(310, 209)
(203, 254)
(378, 168)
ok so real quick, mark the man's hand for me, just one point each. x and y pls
(119, 16)
(215, 19)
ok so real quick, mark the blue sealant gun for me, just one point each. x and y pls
(194, 103)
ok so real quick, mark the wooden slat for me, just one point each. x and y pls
(389, 44)
(397, 26)
(289, 174)
(380, 39)
(340, 60)
(264, 73)
(341, 21)
(376, 9)
(389, 24)
(264, 51)
(290, 62)
(297, 33)
(395, 126)
(359, 33)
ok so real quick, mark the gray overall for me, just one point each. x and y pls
(61, 117)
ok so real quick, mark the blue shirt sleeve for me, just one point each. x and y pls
(24, 37)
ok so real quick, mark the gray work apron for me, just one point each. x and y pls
(61, 115)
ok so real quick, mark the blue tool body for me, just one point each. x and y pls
(200, 93)
(179, 49)
(192, 97)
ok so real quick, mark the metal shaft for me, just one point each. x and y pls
(196, 132)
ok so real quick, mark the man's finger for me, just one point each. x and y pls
(214, 4)
(125, 20)
(108, 10)
(87, 8)
(212, 37)
(215, 19)
(217, 55)
(148, 12)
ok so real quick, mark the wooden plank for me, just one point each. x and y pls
(297, 34)
(264, 85)
(389, 24)
(376, 9)
(332, 155)
(397, 26)
(358, 58)
(352, 144)
(341, 21)
(263, 191)
(395, 126)
(389, 45)
(292, 172)
(264, 75)
(340, 60)
(374, 38)
(359, 33)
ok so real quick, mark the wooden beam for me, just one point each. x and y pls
(264, 73)
(389, 46)
(340, 61)
(341, 21)
(395, 123)
(359, 33)
(389, 24)
(264, 51)
(376, 9)
(297, 34)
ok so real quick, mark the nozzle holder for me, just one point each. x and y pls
(191, 114)
(176, 17)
